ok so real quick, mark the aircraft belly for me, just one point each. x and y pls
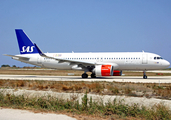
(61, 66)
(139, 67)
(130, 67)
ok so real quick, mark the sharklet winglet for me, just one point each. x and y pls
(39, 50)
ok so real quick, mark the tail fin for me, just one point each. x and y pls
(26, 46)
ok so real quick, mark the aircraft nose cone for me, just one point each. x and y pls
(166, 63)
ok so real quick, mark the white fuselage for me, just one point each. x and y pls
(100, 64)
(120, 60)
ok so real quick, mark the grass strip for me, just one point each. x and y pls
(89, 107)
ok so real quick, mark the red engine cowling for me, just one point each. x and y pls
(103, 70)
(106, 70)
(117, 73)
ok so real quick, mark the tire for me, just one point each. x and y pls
(145, 77)
(84, 75)
(93, 76)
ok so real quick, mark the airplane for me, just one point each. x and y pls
(99, 64)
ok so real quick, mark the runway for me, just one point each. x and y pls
(136, 79)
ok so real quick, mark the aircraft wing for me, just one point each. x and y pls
(17, 57)
(83, 63)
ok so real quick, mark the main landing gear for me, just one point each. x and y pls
(93, 75)
(144, 75)
(85, 75)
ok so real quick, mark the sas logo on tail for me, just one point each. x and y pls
(27, 49)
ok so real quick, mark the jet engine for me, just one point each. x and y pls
(103, 70)
(106, 70)
(117, 73)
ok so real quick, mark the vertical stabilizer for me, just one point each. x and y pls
(26, 46)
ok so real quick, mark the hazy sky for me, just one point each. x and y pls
(87, 26)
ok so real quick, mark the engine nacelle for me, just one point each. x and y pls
(117, 73)
(103, 70)
(106, 70)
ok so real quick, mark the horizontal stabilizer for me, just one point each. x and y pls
(17, 57)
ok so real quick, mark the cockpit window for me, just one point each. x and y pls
(157, 58)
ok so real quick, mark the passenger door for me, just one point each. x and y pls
(144, 58)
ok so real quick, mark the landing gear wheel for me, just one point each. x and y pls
(84, 75)
(93, 76)
(145, 77)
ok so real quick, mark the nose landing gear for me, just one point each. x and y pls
(85, 75)
(144, 75)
